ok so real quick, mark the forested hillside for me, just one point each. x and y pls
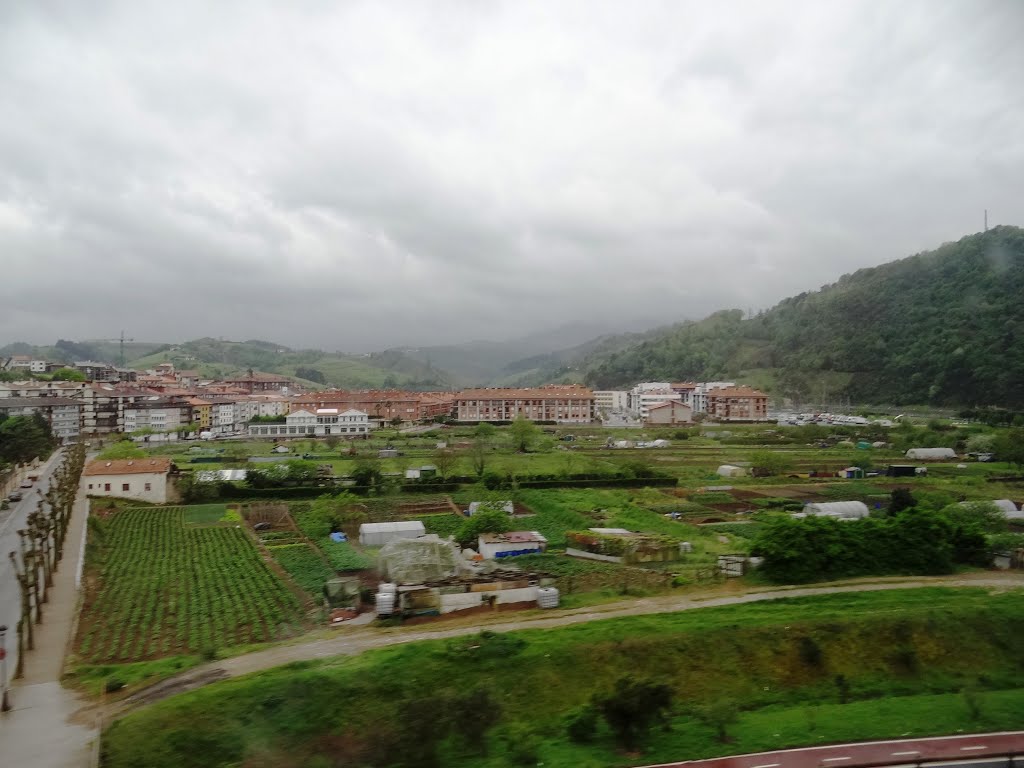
(944, 327)
(215, 357)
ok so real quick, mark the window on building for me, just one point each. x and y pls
(148, 486)
(90, 486)
(125, 486)
(106, 486)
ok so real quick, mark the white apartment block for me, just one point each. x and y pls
(648, 393)
(608, 401)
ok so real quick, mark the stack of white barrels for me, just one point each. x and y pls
(386, 595)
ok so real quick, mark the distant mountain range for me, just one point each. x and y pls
(944, 327)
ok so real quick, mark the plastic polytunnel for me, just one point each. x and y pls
(848, 510)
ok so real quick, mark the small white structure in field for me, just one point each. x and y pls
(845, 510)
(379, 534)
(494, 546)
(931, 454)
(479, 506)
(730, 470)
(1007, 507)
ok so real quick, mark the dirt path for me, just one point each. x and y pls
(352, 641)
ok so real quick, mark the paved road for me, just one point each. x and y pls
(971, 748)
(11, 520)
(40, 731)
(348, 641)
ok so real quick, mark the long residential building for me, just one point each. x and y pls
(562, 404)
(381, 405)
(62, 414)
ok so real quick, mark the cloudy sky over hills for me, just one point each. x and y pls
(357, 175)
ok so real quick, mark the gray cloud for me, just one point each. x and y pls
(359, 175)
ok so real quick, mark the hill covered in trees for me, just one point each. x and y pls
(944, 327)
(216, 357)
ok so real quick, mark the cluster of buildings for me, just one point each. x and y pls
(165, 403)
(677, 403)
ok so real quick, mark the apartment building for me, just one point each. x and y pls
(157, 414)
(381, 405)
(259, 382)
(62, 414)
(645, 394)
(562, 404)
(736, 404)
(609, 401)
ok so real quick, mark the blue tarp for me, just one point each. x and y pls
(337, 536)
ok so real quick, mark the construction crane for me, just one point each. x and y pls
(121, 340)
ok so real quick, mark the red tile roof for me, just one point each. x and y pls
(735, 392)
(551, 392)
(128, 466)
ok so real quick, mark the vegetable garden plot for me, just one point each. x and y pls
(167, 588)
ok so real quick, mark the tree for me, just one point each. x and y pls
(367, 471)
(332, 441)
(632, 708)
(485, 430)
(299, 471)
(718, 715)
(67, 374)
(445, 461)
(524, 432)
(23, 438)
(478, 453)
(486, 520)
(768, 463)
(1009, 446)
(901, 499)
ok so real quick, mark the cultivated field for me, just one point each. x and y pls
(178, 580)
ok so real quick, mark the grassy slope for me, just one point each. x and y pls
(906, 646)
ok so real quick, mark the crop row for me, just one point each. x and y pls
(167, 588)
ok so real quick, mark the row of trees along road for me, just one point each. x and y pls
(42, 546)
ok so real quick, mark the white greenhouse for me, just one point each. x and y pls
(1007, 507)
(847, 510)
(931, 454)
(379, 534)
(728, 470)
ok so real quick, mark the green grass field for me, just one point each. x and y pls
(903, 656)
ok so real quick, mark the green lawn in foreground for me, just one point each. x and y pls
(905, 656)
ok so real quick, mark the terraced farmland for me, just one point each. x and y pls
(166, 586)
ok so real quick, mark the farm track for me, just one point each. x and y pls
(352, 641)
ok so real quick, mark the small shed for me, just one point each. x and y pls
(379, 534)
(852, 473)
(494, 546)
(846, 510)
(931, 454)
(730, 470)
(478, 506)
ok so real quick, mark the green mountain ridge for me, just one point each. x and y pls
(944, 327)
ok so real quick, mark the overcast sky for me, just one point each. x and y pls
(359, 175)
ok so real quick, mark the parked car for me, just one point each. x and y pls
(15, 496)
(25, 484)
